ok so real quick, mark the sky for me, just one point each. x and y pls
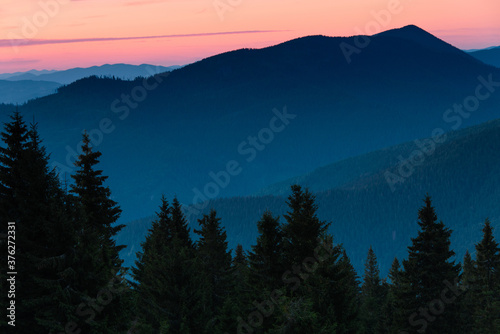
(61, 34)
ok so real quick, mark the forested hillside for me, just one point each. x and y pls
(295, 278)
(192, 121)
(369, 198)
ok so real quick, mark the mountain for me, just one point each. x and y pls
(122, 71)
(19, 92)
(366, 207)
(490, 56)
(4, 76)
(175, 132)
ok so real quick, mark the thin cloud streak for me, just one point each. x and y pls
(28, 42)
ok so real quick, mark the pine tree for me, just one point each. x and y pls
(372, 295)
(487, 283)
(215, 265)
(390, 308)
(238, 302)
(31, 195)
(14, 137)
(99, 269)
(50, 240)
(266, 257)
(427, 272)
(167, 295)
(303, 229)
(468, 302)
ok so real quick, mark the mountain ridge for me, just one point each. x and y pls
(193, 122)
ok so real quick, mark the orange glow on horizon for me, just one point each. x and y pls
(457, 22)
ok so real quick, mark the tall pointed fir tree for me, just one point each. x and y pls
(487, 283)
(239, 299)
(167, 287)
(215, 265)
(372, 296)
(100, 271)
(266, 257)
(303, 229)
(319, 274)
(266, 266)
(14, 138)
(468, 303)
(390, 308)
(427, 272)
(31, 196)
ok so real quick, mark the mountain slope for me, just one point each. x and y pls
(21, 91)
(204, 115)
(461, 174)
(122, 71)
(488, 56)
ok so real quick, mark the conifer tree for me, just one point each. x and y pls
(167, 295)
(239, 299)
(31, 196)
(372, 295)
(303, 229)
(215, 265)
(14, 137)
(428, 270)
(468, 302)
(99, 269)
(390, 308)
(487, 283)
(266, 257)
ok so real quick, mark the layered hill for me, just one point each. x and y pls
(489, 56)
(170, 133)
(19, 92)
(373, 199)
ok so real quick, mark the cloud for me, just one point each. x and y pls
(19, 61)
(30, 42)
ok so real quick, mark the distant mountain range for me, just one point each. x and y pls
(373, 199)
(276, 113)
(34, 72)
(490, 56)
(33, 84)
(16, 92)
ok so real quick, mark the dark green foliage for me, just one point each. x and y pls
(468, 300)
(294, 279)
(266, 257)
(167, 289)
(427, 272)
(303, 229)
(486, 284)
(99, 273)
(391, 306)
(215, 266)
(372, 296)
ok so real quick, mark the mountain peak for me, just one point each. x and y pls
(416, 34)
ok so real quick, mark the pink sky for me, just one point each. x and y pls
(60, 34)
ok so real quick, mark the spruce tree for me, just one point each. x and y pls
(372, 295)
(238, 302)
(427, 272)
(303, 229)
(468, 302)
(15, 139)
(390, 307)
(31, 196)
(100, 267)
(167, 296)
(487, 283)
(266, 257)
(215, 265)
